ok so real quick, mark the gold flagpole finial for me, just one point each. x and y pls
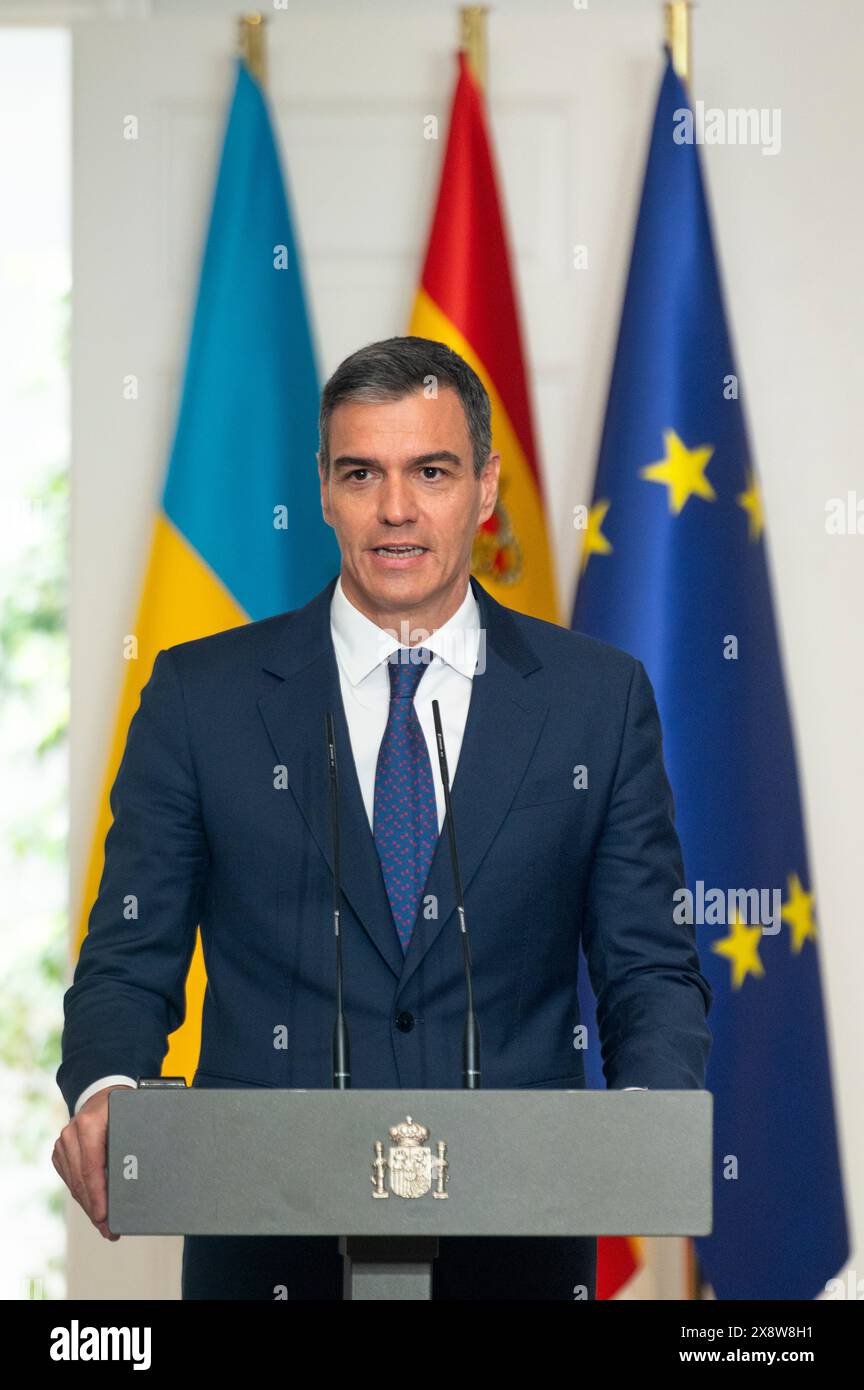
(250, 43)
(472, 39)
(677, 16)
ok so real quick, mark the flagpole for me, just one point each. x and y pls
(677, 23)
(676, 14)
(251, 45)
(472, 39)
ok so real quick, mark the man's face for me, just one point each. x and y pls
(402, 474)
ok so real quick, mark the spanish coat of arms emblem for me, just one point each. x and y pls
(410, 1164)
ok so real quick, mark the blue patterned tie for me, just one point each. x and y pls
(405, 816)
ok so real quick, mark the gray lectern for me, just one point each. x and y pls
(391, 1171)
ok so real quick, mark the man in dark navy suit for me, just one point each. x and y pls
(561, 804)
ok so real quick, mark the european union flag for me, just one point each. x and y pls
(674, 570)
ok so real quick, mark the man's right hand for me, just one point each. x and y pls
(80, 1157)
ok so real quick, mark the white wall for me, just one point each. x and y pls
(571, 96)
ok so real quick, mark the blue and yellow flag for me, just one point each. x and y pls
(674, 570)
(239, 534)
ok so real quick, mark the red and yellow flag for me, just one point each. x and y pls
(466, 300)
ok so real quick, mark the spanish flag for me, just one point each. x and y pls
(466, 300)
(238, 533)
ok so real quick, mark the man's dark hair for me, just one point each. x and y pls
(398, 367)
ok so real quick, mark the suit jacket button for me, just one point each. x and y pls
(405, 1021)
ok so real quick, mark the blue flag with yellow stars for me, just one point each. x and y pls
(674, 570)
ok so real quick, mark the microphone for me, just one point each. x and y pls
(341, 1048)
(471, 1035)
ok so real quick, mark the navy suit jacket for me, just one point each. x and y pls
(206, 832)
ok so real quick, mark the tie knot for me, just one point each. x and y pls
(406, 667)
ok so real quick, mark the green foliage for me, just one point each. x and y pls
(34, 699)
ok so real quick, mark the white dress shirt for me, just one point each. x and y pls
(362, 649)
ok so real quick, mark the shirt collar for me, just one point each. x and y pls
(361, 645)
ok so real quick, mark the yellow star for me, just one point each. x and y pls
(751, 501)
(682, 470)
(595, 542)
(742, 949)
(798, 912)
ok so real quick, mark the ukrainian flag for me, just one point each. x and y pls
(675, 570)
(238, 534)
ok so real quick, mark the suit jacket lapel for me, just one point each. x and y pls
(503, 724)
(501, 731)
(293, 712)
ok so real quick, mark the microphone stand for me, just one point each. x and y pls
(341, 1048)
(471, 1034)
